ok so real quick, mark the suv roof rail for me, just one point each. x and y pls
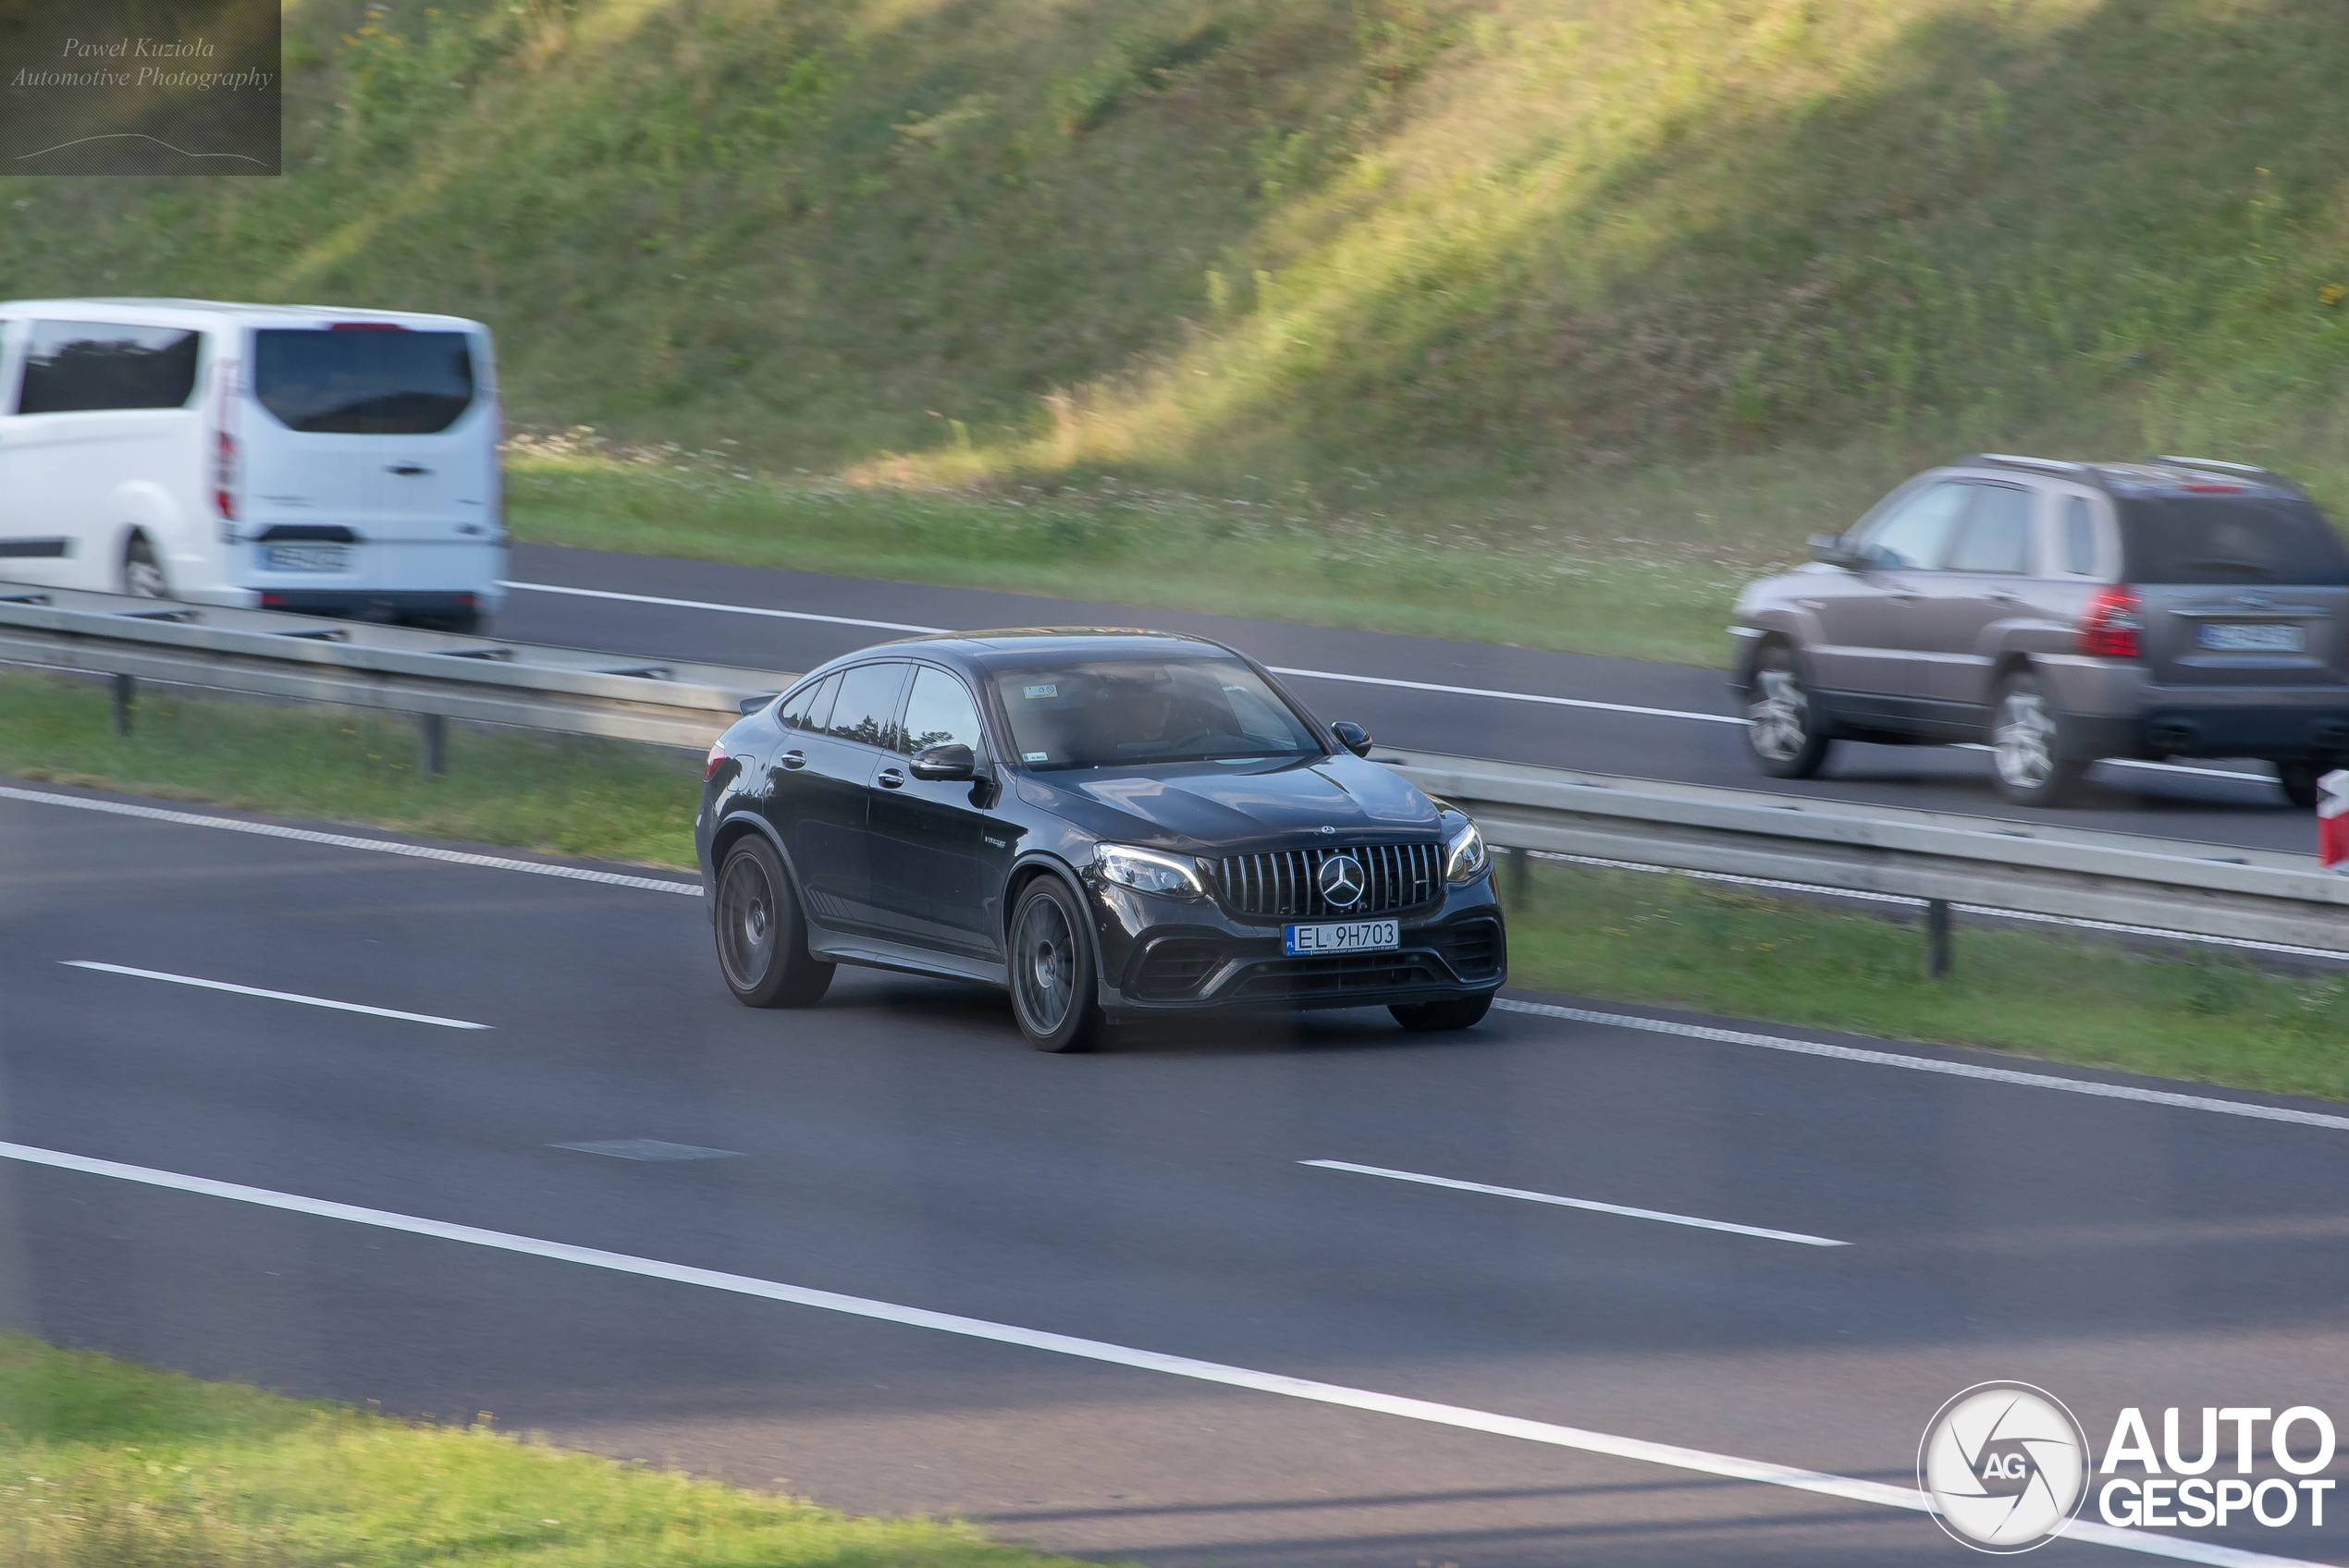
(2043, 465)
(2248, 470)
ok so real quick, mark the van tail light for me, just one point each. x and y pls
(226, 477)
(2111, 627)
(717, 760)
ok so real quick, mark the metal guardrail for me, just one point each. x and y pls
(435, 675)
(2029, 868)
(2083, 873)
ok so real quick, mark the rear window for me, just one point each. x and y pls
(2218, 540)
(366, 383)
(74, 366)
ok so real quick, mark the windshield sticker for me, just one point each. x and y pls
(1041, 691)
(1036, 756)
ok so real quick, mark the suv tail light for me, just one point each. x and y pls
(716, 760)
(2110, 626)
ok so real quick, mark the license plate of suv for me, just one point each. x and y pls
(2250, 637)
(305, 557)
(1351, 936)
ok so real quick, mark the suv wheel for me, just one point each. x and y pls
(762, 940)
(2026, 753)
(2299, 781)
(1780, 729)
(1053, 993)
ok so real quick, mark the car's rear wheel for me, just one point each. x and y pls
(142, 576)
(1781, 727)
(2299, 781)
(1434, 1018)
(2026, 746)
(1054, 991)
(762, 938)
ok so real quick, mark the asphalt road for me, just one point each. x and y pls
(1686, 736)
(898, 1145)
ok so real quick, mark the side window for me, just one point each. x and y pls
(2079, 537)
(71, 366)
(1915, 534)
(1997, 536)
(940, 711)
(867, 709)
(793, 715)
(11, 334)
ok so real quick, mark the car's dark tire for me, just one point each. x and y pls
(1055, 993)
(762, 937)
(1434, 1018)
(1781, 724)
(2027, 756)
(2299, 781)
(142, 576)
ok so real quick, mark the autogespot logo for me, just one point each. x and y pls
(2006, 1465)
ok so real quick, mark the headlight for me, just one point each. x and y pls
(1148, 871)
(1464, 856)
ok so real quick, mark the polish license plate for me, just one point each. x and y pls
(1352, 937)
(305, 557)
(2244, 637)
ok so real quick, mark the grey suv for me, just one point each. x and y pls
(2062, 612)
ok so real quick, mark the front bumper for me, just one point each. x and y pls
(1174, 955)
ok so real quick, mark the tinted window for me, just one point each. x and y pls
(940, 710)
(1997, 536)
(363, 383)
(72, 366)
(810, 705)
(2079, 537)
(1916, 532)
(2223, 539)
(1118, 712)
(867, 709)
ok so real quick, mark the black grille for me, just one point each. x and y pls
(1176, 967)
(1472, 946)
(1284, 884)
(1299, 978)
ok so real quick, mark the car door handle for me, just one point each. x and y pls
(793, 760)
(892, 780)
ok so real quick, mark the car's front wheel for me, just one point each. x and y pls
(762, 940)
(1435, 1018)
(1055, 995)
(2026, 751)
(1782, 730)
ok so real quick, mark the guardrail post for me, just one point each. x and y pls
(1520, 879)
(436, 744)
(1937, 937)
(125, 690)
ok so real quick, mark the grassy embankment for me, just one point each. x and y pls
(1544, 319)
(105, 1464)
(1614, 936)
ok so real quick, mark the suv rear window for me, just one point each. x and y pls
(2228, 539)
(367, 382)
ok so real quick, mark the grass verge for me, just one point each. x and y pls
(1628, 936)
(105, 1463)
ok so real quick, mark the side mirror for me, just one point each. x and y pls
(1352, 736)
(946, 764)
(1834, 549)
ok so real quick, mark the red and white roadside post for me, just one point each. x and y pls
(2333, 818)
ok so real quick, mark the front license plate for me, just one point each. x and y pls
(1353, 937)
(2250, 637)
(305, 557)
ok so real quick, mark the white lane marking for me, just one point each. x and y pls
(1927, 1064)
(351, 841)
(729, 609)
(646, 1148)
(1507, 696)
(1460, 1416)
(1593, 1205)
(269, 996)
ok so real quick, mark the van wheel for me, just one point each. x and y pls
(142, 575)
(2026, 751)
(1053, 993)
(1781, 727)
(762, 940)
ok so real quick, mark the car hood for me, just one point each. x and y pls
(1210, 806)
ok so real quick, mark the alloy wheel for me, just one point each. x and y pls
(1044, 966)
(746, 922)
(1779, 716)
(2022, 742)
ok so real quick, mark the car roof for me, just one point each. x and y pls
(200, 313)
(1014, 646)
(2162, 476)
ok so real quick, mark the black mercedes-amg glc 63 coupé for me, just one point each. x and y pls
(1110, 824)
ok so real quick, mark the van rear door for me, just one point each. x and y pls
(370, 431)
(2240, 588)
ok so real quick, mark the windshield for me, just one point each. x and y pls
(2229, 539)
(363, 383)
(1113, 713)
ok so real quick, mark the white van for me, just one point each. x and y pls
(284, 456)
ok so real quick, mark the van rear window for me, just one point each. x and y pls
(363, 383)
(2214, 540)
